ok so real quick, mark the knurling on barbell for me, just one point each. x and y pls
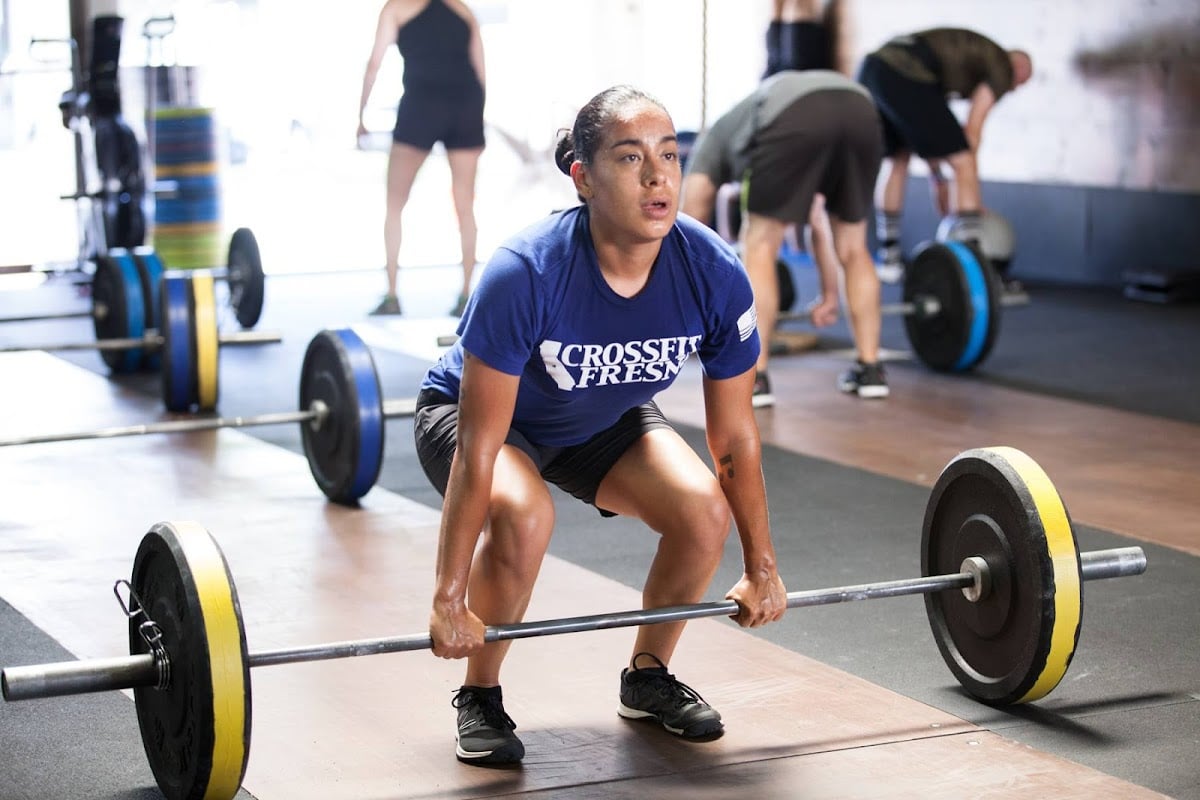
(1005, 614)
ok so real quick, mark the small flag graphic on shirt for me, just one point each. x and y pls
(747, 323)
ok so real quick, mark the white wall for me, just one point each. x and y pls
(1115, 98)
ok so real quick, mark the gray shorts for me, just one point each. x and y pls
(829, 141)
(577, 470)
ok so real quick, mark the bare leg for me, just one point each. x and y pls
(699, 197)
(506, 566)
(893, 179)
(403, 163)
(966, 197)
(819, 243)
(692, 525)
(889, 206)
(464, 165)
(862, 286)
(761, 239)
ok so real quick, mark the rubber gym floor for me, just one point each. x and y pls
(843, 701)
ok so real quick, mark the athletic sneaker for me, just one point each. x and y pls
(390, 304)
(865, 380)
(654, 693)
(890, 263)
(485, 731)
(762, 397)
(890, 271)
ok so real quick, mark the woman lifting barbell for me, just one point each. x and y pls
(578, 322)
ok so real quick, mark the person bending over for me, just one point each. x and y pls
(806, 147)
(576, 324)
(911, 78)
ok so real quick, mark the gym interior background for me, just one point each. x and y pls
(1095, 162)
(1097, 165)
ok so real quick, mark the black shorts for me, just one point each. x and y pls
(798, 45)
(916, 117)
(827, 141)
(452, 117)
(577, 470)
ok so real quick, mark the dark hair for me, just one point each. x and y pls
(580, 143)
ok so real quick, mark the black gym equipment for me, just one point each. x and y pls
(991, 231)
(951, 307)
(173, 327)
(341, 414)
(243, 273)
(1001, 574)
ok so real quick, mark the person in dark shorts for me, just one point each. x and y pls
(911, 78)
(797, 137)
(442, 102)
(577, 323)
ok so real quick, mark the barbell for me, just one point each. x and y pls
(952, 305)
(173, 328)
(1000, 570)
(341, 415)
(120, 267)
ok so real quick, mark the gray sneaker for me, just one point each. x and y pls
(389, 305)
(654, 693)
(485, 731)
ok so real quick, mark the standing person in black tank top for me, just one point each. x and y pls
(442, 101)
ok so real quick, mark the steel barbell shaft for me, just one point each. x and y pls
(404, 407)
(149, 342)
(55, 315)
(171, 426)
(1094, 566)
(926, 306)
(77, 677)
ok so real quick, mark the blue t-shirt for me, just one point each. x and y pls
(585, 354)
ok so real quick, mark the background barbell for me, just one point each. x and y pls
(341, 416)
(176, 332)
(951, 308)
(243, 272)
(1006, 618)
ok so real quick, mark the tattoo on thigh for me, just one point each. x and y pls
(726, 462)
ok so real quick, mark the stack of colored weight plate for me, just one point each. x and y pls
(187, 229)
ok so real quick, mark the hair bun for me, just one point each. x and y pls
(564, 153)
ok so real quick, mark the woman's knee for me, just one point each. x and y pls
(701, 518)
(518, 532)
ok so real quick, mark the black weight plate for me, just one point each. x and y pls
(787, 287)
(150, 270)
(118, 308)
(967, 290)
(1014, 645)
(196, 731)
(178, 352)
(246, 280)
(346, 452)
